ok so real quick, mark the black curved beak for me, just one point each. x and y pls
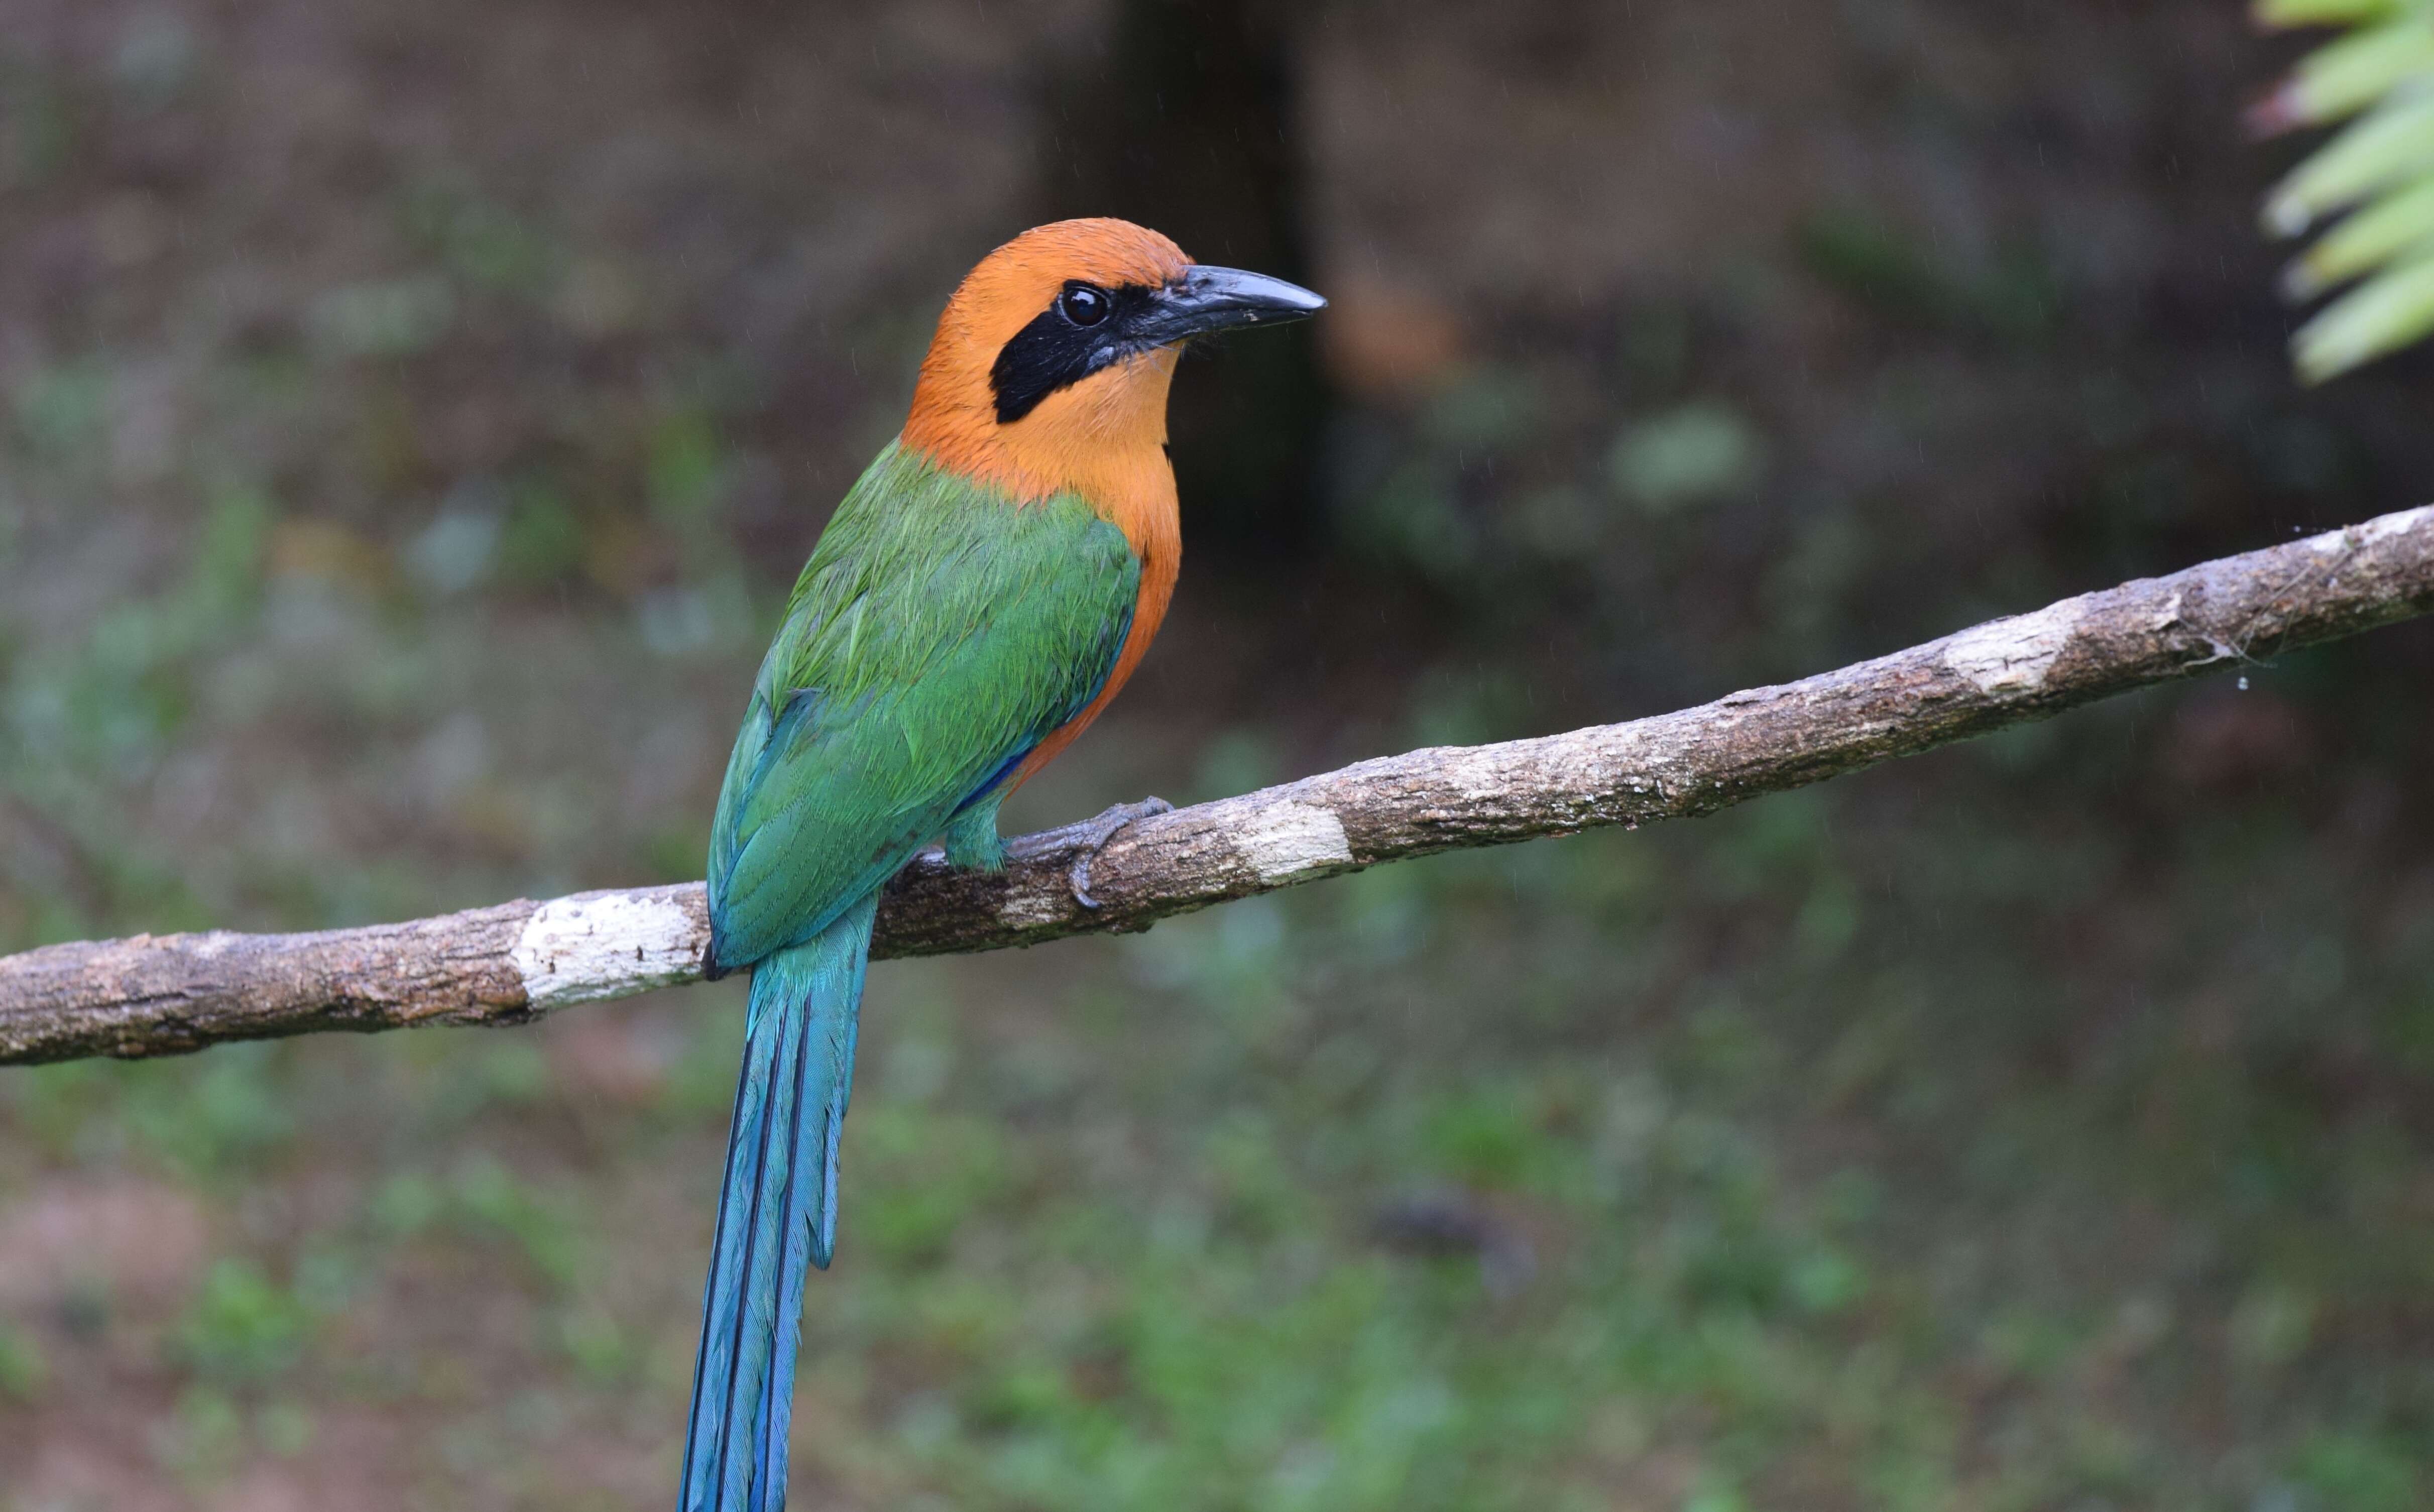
(1221, 299)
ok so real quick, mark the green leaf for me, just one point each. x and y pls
(2398, 225)
(2340, 78)
(2378, 318)
(2392, 145)
(2327, 13)
(2378, 175)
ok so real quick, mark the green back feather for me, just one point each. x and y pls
(940, 632)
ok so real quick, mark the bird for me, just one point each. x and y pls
(978, 596)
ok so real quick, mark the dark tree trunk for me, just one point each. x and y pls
(1186, 121)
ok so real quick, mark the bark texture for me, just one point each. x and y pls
(512, 963)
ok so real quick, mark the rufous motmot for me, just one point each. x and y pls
(979, 596)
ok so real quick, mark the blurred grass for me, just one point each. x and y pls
(1823, 1186)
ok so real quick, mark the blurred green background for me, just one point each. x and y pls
(412, 415)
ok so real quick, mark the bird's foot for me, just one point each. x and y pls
(1096, 833)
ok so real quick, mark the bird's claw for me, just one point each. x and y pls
(1097, 832)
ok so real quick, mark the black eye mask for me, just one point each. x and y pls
(1088, 327)
(1085, 329)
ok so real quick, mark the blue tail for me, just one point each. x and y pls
(776, 1213)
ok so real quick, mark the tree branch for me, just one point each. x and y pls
(515, 962)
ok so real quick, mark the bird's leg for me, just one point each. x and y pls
(1097, 832)
(971, 839)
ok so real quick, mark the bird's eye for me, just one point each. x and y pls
(1083, 303)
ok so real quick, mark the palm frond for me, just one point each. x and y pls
(2375, 177)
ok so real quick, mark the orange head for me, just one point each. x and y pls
(1050, 370)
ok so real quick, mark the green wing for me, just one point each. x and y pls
(939, 634)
